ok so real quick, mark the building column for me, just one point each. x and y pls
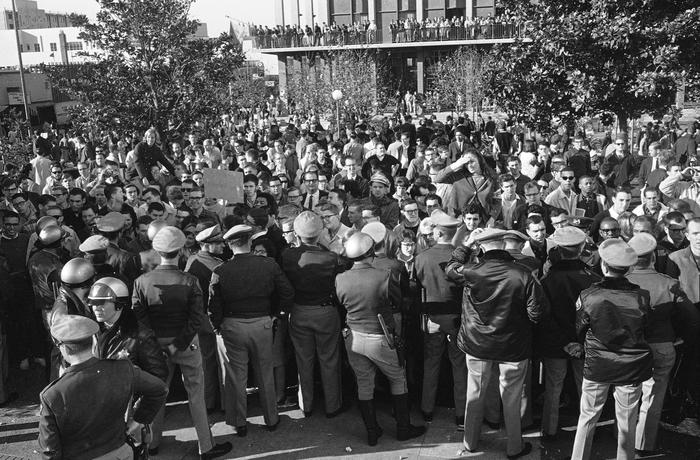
(420, 71)
(469, 10)
(372, 10)
(293, 19)
(279, 12)
(282, 70)
(420, 10)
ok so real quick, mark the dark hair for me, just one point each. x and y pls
(90, 207)
(473, 208)
(9, 213)
(342, 196)
(110, 189)
(433, 196)
(43, 200)
(144, 220)
(155, 206)
(251, 178)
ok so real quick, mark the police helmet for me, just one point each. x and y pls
(77, 272)
(109, 289)
(50, 235)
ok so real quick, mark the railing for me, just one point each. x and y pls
(399, 34)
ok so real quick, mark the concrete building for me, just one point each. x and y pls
(30, 16)
(409, 60)
(57, 45)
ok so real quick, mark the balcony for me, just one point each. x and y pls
(290, 40)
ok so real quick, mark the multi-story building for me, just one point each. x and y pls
(409, 50)
(30, 16)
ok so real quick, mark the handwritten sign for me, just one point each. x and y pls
(226, 185)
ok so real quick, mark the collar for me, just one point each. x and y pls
(84, 365)
(616, 283)
(497, 254)
(643, 271)
(259, 234)
(167, 267)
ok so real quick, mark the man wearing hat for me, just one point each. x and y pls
(110, 226)
(500, 303)
(667, 301)
(94, 249)
(440, 317)
(366, 292)
(77, 276)
(169, 301)
(611, 314)
(242, 307)
(380, 197)
(314, 320)
(202, 265)
(556, 340)
(82, 412)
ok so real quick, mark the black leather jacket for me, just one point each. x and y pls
(502, 300)
(128, 339)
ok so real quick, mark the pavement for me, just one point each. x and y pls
(342, 437)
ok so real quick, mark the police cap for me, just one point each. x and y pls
(308, 224)
(358, 245)
(169, 239)
(73, 328)
(238, 231)
(210, 235)
(112, 222)
(642, 243)
(568, 236)
(616, 253)
(94, 243)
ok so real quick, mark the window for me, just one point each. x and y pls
(74, 46)
(53, 47)
(37, 47)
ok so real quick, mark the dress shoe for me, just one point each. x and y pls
(241, 431)
(217, 451)
(427, 416)
(24, 364)
(549, 437)
(337, 412)
(273, 427)
(40, 361)
(153, 451)
(459, 421)
(527, 448)
(308, 413)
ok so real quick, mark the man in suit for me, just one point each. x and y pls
(460, 144)
(82, 412)
(649, 163)
(504, 211)
(533, 196)
(686, 145)
(313, 195)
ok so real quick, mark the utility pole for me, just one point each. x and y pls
(21, 66)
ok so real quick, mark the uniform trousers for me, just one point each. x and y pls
(366, 354)
(124, 452)
(433, 347)
(210, 365)
(593, 396)
(653, 392)
(511, 379)
(554, 375)
(251, 340)
(492, 404)
(315, 331)
(190, 362)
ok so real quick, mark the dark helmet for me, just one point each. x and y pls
(50, 235)
(77, 272)
(109, 289)
(154, 227)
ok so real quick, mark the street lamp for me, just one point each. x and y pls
(337, 95)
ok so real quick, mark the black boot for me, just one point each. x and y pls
(404, 429)
(369, 416)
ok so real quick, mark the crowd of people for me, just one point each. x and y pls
(402, 31)
(403, 240)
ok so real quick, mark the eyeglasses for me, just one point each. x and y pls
(411, 210)
(328, 216)
(311, 180)
(58, 194)
(11, 224)
(196, 197)
(532, 194)
(293, 197)
(567, 178)
(186, 189)
(56, 172)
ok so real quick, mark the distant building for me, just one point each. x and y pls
(29, 16)
(57, 45)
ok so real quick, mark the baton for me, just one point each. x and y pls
(387, 334)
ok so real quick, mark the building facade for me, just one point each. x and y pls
(30, 16)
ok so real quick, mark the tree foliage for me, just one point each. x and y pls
(150, 70)
(594, 58)
(357, 73)
(462, 76)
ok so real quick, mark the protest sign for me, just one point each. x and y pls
(226, 185)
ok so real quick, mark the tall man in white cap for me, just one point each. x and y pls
(668, 302)
(500, 303)
(202, 265)
(440, 317)
(367, 292)
(241, 307)
(82, 412)
(556, 340)
(612, 314)
(314, 321)
(169, 301)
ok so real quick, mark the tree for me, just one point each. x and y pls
(149, 69)
(462, 76)
(592, 58)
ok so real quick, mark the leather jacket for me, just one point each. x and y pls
(128, 339)
(501, 301)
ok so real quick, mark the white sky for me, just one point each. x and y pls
(212, 12)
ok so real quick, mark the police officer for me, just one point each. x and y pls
(169, 302)
(556, 340)
(110, 226)
(440, 312)
(242, 309)
(147, 260)
(94, 249)
(314, 322)
(82, 413)
(612, 314)
(366, 292)
(121, 336)
(201, 265)
(668, 303)
(501, 301)
(77, 276)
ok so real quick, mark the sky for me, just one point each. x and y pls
(215, 13)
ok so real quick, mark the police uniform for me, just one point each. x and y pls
(201, 265)
(117, 258)
(442, 307)
(241, 307)
(314, 322)
(612, 315)
(366, 292)
(82, 412)
(169, 302)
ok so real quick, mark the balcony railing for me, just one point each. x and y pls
(290, 38)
